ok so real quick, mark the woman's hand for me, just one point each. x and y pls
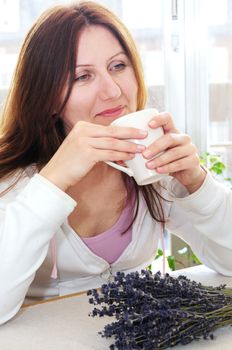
(85, 146)
(180, 158)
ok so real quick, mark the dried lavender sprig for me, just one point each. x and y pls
(141, 306)
(162, 342)
(156, 285)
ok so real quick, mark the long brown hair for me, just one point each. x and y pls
(31, 130)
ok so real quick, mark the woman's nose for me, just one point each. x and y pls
(109, 88)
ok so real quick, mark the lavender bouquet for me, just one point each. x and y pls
(156, 312)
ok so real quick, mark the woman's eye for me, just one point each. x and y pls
(83, 77)
(118, 67)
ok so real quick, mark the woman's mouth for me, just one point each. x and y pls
(113, 112)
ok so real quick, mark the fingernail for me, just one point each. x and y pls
(152, 123)
(141, 147)
(149, 165)
(147, 153)
(143, 132)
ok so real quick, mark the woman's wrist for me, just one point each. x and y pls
(54, 179)
(197, 183)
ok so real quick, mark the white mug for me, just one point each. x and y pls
(136, 167)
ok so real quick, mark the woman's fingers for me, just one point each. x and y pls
(176, 164)
(173, 154)
(165, 121)
(113, 156)
(94, 130)
(178, 155)
(165, 142)
(113, 144)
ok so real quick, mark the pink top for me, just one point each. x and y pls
(110, 244)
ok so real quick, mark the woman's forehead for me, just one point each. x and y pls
(96, 41)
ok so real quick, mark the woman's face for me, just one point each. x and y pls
(105, 86)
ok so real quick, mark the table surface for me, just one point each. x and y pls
(64, 323)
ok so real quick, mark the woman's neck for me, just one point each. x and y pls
(101, 198)
(100, 178)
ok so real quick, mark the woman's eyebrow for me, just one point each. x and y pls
(117, 54)
(90, 65)
(84, 65)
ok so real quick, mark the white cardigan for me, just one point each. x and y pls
(36, 210)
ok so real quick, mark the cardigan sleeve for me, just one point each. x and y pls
(28, 221)
(204, 220)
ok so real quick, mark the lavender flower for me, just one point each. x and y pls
(156, 312)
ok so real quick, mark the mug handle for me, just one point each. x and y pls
(122, 168)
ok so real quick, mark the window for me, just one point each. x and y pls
(219, 23)
(208, 74)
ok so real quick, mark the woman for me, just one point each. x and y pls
(68, 221)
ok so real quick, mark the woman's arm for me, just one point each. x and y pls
(203, 219)
(27, 224)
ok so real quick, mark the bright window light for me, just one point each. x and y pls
(153, 62)
(7, 66)
(145, 14)
(9, 16)
(217, 12)
(219, 65)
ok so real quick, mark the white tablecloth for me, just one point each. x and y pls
(65, 324)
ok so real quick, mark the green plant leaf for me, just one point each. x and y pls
(171, 262)
(195, 259)
(159, 254)
(217, 168)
